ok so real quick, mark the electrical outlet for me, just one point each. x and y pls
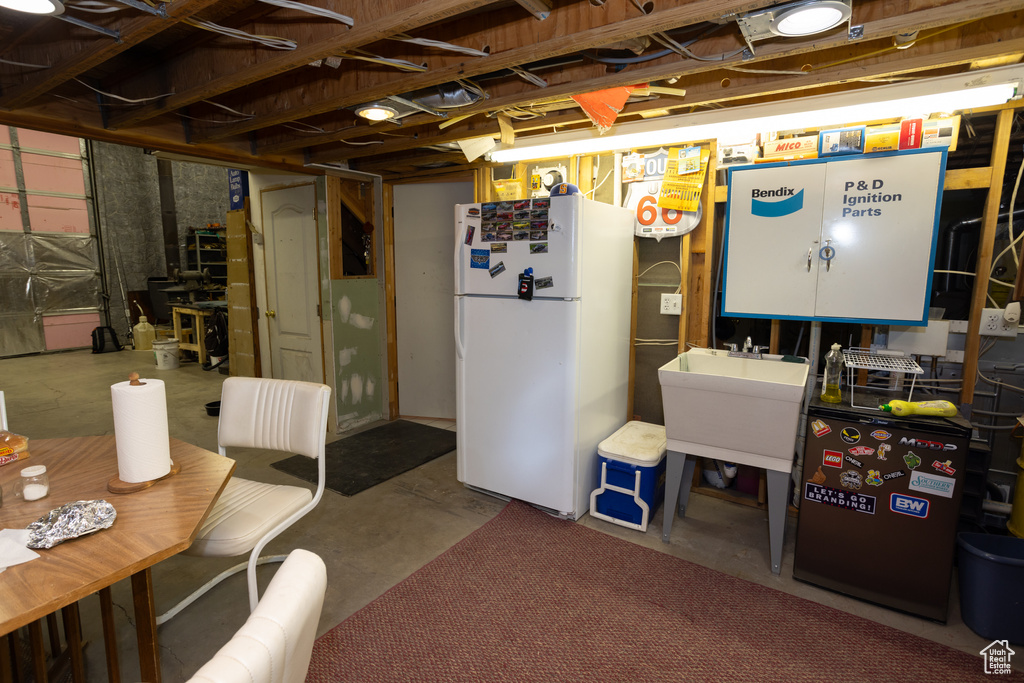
(671, 304)
(994, 325)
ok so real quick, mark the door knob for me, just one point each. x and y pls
(271, 314)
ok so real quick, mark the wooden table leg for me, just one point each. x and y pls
(145, 625)
(73, 636)
(109, 635)
(35, 639)
(176, 317)
(6, 671)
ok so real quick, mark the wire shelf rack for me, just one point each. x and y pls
(859, 358)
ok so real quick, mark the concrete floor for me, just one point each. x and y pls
(370, 541)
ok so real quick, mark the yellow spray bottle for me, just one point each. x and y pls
(939, 408)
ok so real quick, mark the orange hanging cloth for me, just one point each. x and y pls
(603, 106)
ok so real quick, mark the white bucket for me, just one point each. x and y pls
(166, 352)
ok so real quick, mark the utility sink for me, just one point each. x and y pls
(739, 409)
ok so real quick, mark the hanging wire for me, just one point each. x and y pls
(129, 100)
(230, 110)
(309, 9)
(24, 64)
(426, 42)
(267, 41)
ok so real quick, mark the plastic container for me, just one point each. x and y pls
(830, 392)
(991, 570)
(166, 352)
(34, 483)
(637, 447)
(143, 334)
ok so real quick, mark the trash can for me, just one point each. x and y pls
(1016, 523)
(991, 570)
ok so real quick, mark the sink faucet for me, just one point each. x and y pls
(748, 345)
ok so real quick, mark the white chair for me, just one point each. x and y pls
(275, 414)
(276, 641)
(3, 412)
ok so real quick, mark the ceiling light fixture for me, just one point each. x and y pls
(51, 7)
(938, 95)
(793, 20)
(373, 112)
(808, 18)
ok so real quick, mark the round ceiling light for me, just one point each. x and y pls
(810, 18)
(373, 112)
(51, 7)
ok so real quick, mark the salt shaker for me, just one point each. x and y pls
(34, 483)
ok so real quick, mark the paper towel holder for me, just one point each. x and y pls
(116, 485)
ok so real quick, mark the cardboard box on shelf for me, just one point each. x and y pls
(882, 139)
(841, 141)
(910, 133)
(941, 132)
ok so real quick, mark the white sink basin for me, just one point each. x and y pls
(742, 410)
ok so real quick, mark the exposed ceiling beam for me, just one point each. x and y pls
(198, 77)
(91, 53)
(589, 29)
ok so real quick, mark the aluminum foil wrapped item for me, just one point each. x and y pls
(70, 520)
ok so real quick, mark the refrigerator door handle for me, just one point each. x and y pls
(460, 348)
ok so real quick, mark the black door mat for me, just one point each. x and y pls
(368, 458)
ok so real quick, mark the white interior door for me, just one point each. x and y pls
(424, 286)
(293, 292)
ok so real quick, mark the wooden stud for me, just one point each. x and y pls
(389, 296)
(986, 241)
(35, 639)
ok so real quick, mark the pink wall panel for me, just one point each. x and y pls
(55, 143)
(7, 177)
(5, 136)
(57, 214)
(69, 331)
(10, 212)
(52, 174)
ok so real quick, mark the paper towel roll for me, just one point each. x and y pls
(140, 430)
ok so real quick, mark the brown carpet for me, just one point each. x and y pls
(531, 598)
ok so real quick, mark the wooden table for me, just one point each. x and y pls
(151, 525)
(197, 342)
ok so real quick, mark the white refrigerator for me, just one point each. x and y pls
(540, 382)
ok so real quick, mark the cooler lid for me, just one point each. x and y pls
(637, 443)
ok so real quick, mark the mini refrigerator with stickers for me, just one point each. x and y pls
(880, 499)
(540, 381)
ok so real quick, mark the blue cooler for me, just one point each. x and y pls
(631, 482)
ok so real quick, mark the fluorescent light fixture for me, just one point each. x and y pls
(51, 7)
(804, 19)
(375, 111)
(940, 95)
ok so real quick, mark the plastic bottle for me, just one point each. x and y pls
(833, 374)
(143, 334)
(940, 408)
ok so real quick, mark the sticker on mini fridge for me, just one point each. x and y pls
(896, 474)
(853, 461)
(480, 258)
(883, 448)
(847, 500)
(470, 231)
(832, 458)
(818, 477)
(945, 467)
(499, 248)
(861, 451)
(908, 505)
(851, 479)
(820, 429)
(934, 484)
(543, 282)
(874, 478)
(849, 435)
(913, 462)
(880, 434)
(498, 269)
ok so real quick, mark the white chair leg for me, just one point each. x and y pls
(196, 594)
